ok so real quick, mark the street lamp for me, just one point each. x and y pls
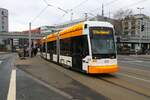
(30, 42)
(29, 39)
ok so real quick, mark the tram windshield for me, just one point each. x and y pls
(102, 40)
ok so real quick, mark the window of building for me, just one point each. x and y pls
(2, 27)
(2, 18)
(2, 12)
(3, 22)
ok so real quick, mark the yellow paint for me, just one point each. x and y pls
(103, 69)
(75, 30)
(52, 37)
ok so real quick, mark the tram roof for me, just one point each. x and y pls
(98, 23)
(79, 26)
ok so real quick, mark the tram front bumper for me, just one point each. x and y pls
(102, 69)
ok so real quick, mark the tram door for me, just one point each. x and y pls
(77, 53)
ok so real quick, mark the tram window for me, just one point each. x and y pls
(65, 47)
(75, 45)
(54, 47)
(51, 47)
(44, 47)
(76, 42)
(48, 47)
(85, 46)
(80, 46)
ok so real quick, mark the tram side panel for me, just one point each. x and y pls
(73, 50)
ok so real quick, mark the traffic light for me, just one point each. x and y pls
(142, 28)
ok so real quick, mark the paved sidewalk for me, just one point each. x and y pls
(41, 69)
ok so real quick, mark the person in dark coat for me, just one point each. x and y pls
(35, 51)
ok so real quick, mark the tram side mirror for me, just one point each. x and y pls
(85, 26)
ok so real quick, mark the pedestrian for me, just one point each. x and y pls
(24, 52)
(35, 51)
(32, 52)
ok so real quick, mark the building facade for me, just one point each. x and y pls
(136, 25)
(136, 32)
(3, 20)
(3, 25)
(47, 29)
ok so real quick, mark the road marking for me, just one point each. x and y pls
(12, 86)
(148, 81)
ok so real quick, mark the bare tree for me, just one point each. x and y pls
(120, 14)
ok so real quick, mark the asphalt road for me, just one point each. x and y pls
(27, 88)
(132, 82)
(42, 70)
(135, 69)
(37, 79)
(5, 71)
(16, 84)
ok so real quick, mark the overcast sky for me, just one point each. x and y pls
(21, 12)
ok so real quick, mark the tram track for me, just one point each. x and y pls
(124, 84)
(113, 86)
(101, 83)
(141, 75)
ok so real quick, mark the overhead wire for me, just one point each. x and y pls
(80, 4)
(69, 10)
(111, 2)
(66, 12)
(106, 4)
(42, 11)
(133, 4)
(75, 7)
(136, 3)
(48, 4)
(91, 11)
(45, 2)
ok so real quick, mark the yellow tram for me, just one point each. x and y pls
(87, 46)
